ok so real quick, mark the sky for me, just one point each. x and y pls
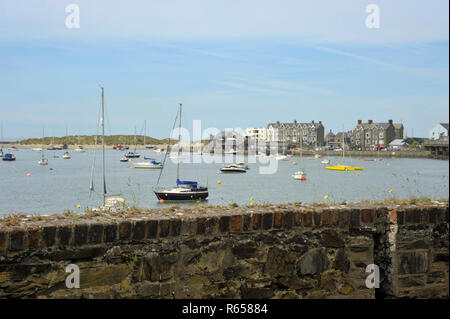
(233, 64)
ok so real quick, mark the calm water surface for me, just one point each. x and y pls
(64, 184)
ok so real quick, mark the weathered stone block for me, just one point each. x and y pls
(341, 262)
(224, 224)
(236, 223)
(280, 262)
(175, 227)
(152, 229)
(34, 238)
(95, 234)
(344, 218)
(212, 225)
(3, 241)
(64, 235)
(201, 226)
(17, 240)
(307, 219)
(313, 262)
(267, 220)
(288, 220)
(355, 217)
(110, 233)
(138, 230)
(277, 219)
(298, 219)
(163, 228)
(413, 262)
(246, 225)
(330, 238)
(317, 217)
(48, 236)
(80, 234)
(256, 221)
(244, 249)
(125, 230)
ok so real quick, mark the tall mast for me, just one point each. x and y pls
(179, 145)
(42, 149)
(343, 142)
(102, 121)
(145, 131)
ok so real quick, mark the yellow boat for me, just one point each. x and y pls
(344, 168)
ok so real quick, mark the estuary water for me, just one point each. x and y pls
(29, 188)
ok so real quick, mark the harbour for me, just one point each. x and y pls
(63, 185)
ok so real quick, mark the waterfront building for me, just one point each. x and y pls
(330, 138)
(398, 127)
(290, 133)
(397, 144)
(439, 131)
(338, 142)
(369, 135)
(259, 134)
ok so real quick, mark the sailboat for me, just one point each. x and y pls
(133, 154)
(1, 140)
(184, 190)
(301, 175)
(343, 167)
(66, 155)
(148, 162)
(80, 148)
(109, 203)
(43, 160)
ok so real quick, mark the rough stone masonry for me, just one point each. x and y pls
(265, 251)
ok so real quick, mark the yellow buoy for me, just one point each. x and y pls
(219, 182)
(78, 206)
(390, 191)
(295, 163)
(251, 198)
(251, 203)
(326, 196)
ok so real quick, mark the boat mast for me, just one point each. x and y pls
(343, 142)
(145, 131)
(102, 121)
(42, 148)
(179, 145)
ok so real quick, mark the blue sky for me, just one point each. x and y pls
(233, 64)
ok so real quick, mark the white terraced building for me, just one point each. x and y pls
(259, 134)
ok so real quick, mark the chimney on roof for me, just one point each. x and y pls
(278, 122)
(370, 121)
(390, 121)
(359, 121)
(312, 121)
(295, 122)
(320, 122)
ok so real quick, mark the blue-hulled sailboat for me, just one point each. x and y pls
(184, 190)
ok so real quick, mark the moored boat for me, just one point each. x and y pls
(233, 168)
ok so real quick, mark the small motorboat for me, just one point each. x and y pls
(124, 159)
(299, 175)
(37, 149)
(243, 165)
(344, 168)
(9, 157)
(132, 155)
(282, 158)
(80, 149)
(151, 164)
(66, 155)
(43, 161)
(233, 168)
(316, 156)
(369, 159)
(325, 161)
(1, 153)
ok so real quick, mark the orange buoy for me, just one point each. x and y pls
(161, 201)
(303, 178)
(28, 174)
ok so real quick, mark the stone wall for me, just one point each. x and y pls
(267, 251)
